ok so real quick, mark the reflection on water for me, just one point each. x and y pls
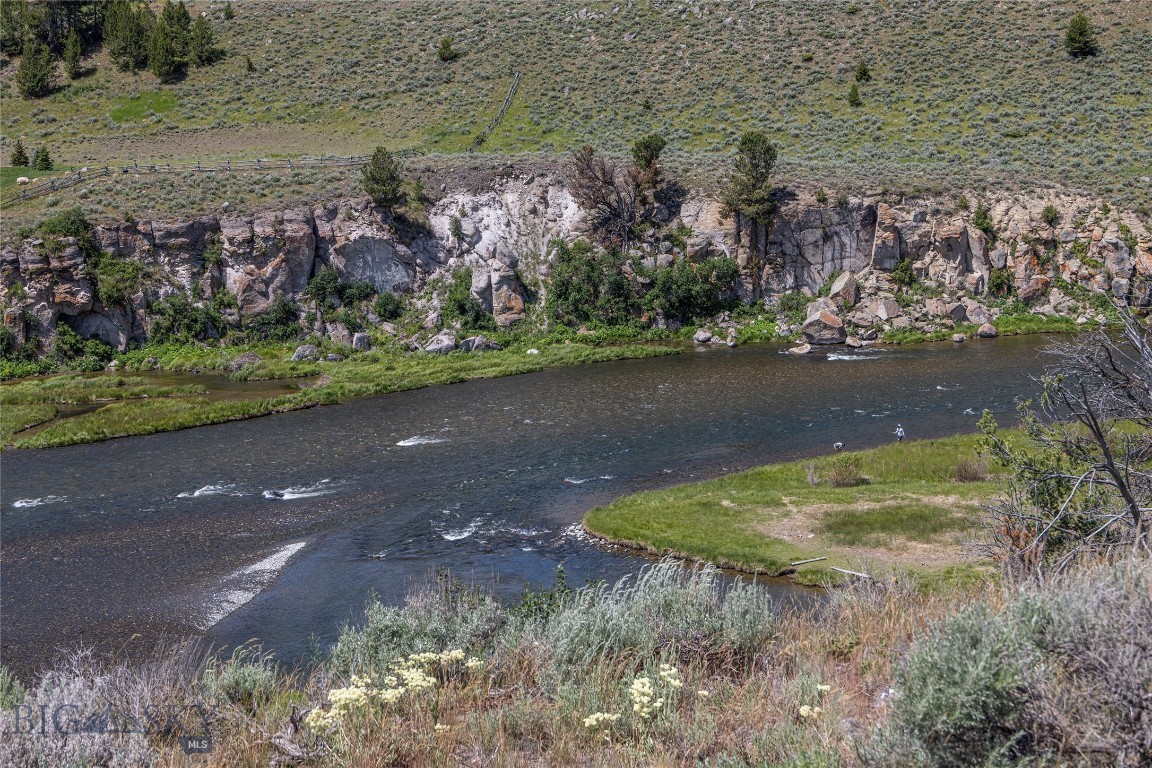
(488, 479)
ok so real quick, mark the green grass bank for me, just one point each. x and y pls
(909, 507)
(133, 406)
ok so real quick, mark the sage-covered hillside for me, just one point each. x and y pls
(950, 94)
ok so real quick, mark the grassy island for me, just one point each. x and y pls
(909, 507)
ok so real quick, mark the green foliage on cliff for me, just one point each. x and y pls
(688, 290)
(593, 286)
(280, 323)
(903, 274)
(586, 285)
(1000, 282)
(388, 306)
(177, 319)
(460, 306)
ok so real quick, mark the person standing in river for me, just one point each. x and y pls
(899, 433)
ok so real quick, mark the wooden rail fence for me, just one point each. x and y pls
(483, 135)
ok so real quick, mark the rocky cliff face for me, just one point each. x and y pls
(502, 237)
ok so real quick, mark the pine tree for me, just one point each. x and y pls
(41, 160)
(749, 189)
(863, 74)
(248, 65)
(36, 75)
(229, 14)
(201, 43)
(854, 96)
(126, 34)
(382, 178)
(73, 50)
(175, 16)
(12, 26)
(19, 157)
(445, 51)
(1080, 40)
(164, 57)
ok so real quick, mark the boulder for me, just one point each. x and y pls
(507, 300)
(820, 305)
(333, 358)
(844, 291)
(1037, 286)
(14, 322)
(886, 250)
(957, 312)
(803, 349)
(853, 342)
(482, 287)
(885, 308)
(441, 344)
(432, 321)
(959, 337)
(264, 257)
(359, 243)
(243, 360)
(979, 315)
(111, 325)
(936, 307)
(702, 336)
(987, 331)
(305, 352)
(824, 328)
(339, 334)
(361, 341)
(478, 344)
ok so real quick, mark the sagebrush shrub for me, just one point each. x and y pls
(961, 691)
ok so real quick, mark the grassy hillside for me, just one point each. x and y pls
(961, 93)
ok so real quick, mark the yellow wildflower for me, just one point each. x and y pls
(600, 720)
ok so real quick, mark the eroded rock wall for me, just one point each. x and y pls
(502, 237)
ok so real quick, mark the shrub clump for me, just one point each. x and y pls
(388, 306)
(1061, 671)
(844, 472)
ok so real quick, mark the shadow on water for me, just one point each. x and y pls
(280, 527)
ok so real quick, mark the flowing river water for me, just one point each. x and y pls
(280, 528)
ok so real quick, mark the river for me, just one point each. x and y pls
(280, 528)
